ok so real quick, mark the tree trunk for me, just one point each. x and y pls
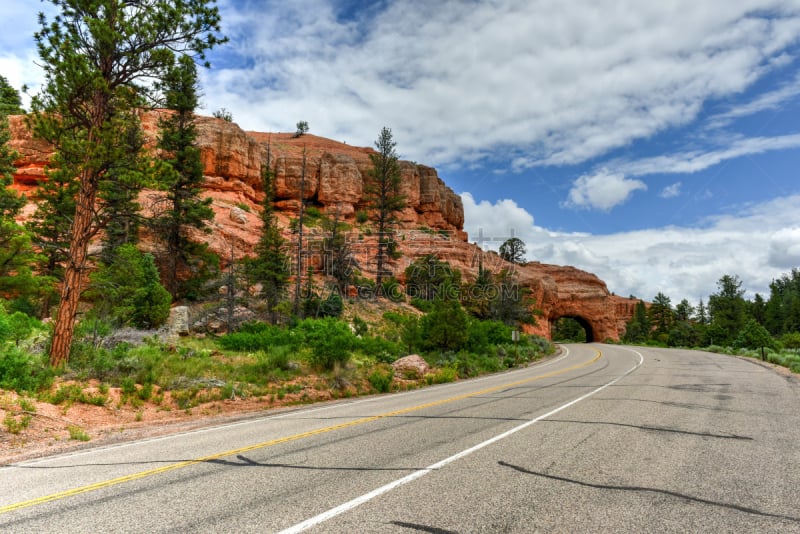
(81, 233)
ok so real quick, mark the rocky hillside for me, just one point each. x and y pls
(432, 222)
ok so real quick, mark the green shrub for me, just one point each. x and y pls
(381, 349)
(77, 433)
(14, 425)
(329, 339)
(21, 372)
(253, 337)
(381, 380)
(362, 217)
(129, 290)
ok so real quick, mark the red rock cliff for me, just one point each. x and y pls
(432, 222)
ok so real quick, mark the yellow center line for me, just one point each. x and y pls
(265, 444)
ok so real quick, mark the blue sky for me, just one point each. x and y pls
(655, 144)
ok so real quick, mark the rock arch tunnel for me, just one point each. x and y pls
(583, 322)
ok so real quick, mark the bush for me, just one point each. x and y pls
(128, 290)
(379, 348)
(253, 337)
(21, 372)
(329, 339)
(381, 379)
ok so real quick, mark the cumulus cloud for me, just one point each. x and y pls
(602, 191)
(759, 243)
(558, 82)
(784, 248)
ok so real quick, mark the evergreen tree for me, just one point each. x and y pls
(10, 101)
(660, 314)
(338, 255)
(16, 254)
(119, 192)
(128, 291)
(511, 302)
(428, 278)
(97, 59)
(727, 309)
(513, 250)
(186, 265)
(50, 228)
(384, 197)
(684, 311)
(270, 266)
(445, 327)
(637, 329)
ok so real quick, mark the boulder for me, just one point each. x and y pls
(412, 367)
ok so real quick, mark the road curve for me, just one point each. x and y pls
(603, 438)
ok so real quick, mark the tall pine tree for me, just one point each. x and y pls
(270, 266)
(98, 59)
(384, 198)
(185, 264)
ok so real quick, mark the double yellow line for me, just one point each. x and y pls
(265, 444)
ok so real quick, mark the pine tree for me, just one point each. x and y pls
(186, 265)
(383, 195)
(338, 255)
(97, 59)
(10, 101)
(513, 250)
(270, 266)
(119, 192)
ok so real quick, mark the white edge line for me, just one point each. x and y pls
(342, 508)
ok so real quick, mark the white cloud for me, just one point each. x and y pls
(565, 81)
(602, 191)
(759, 243)
(696, 161)
(784, 248)
(770, 100)
(552, 82)
(671, 191)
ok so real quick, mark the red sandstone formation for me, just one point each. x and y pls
(432, 222)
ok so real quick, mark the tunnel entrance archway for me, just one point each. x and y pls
(568, 327)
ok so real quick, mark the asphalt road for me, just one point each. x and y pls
(604, 438)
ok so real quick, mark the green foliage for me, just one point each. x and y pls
(182, 178)
(10, 101)
(428, 277)
(637, 330)
(362, 216)
(754, 336)
(332, 306)
(128, 290)
(484, 334)
(16, 425)
(727, 310)
(77, 433)
(660, 315)
(445, 327)
(513, 250)
(302, 128)
(20, 371)
(329, 339)
(381, 379)
(567, 329)
(223, 114)
(270, 267)
(382, 192)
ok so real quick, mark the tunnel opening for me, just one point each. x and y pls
(571, 329)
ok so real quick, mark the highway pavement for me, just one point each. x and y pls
(600, 439)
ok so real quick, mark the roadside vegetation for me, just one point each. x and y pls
(763, 328)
